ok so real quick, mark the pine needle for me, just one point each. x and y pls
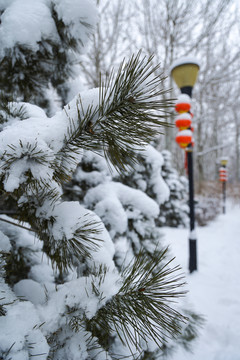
(130, 113)
(140, 310)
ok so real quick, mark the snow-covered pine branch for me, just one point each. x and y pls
(67, 275)
(39, 153)
(40, 43)
(144, 294)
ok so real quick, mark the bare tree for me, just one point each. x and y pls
(170, 29)
(109, 44)
(216, 92)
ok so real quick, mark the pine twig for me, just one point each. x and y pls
(18, 225)
(129, 114)
(140, 310)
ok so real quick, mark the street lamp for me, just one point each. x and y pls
(223, 179)
(184, 72)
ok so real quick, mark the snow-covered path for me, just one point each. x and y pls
(214, 290)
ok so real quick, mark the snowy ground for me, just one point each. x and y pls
(214, 290)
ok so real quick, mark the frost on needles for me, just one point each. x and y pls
(38, 154)
(62, 295)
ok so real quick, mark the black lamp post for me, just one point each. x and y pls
(184, 72)
(223, 179)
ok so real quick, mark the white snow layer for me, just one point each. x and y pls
(214, 289)
(43, 302)
(184, 133)
(27, 22)
(46, 136)
(184, 116)
(185, 60)
(75, 13)
(17, 328)
(31, 290)
(111, 199)
(183, 98)
(159, 186)
(5, 245)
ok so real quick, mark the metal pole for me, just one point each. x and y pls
(192, 236)
(224, 196)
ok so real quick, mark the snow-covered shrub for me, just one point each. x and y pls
(207, 209)
(50, 35)
(128, 214)
(174, 211)
(26, 279)
(147, 175)
(155, 176)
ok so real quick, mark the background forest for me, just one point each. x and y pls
(169, 29)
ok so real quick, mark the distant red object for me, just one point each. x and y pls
(182, 107)
(183, 123)
(223, 174)
(183, 140)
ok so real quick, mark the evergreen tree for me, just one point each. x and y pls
(174, 211)
(62, 295)
(130, 215)
(155, 176)
(147, 175)
(40, 46)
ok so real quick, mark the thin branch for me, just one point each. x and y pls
(202, 153)
(140, 310)
(18, 225)
(8, 212)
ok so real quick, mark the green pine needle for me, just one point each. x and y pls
(130, 114)
(140, 310)
(64, 252)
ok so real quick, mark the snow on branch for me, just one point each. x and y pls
(205, 152)
(129, 113)
(38, 154)
(124, 114)
(145, 294)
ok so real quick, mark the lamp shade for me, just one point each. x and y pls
(224, 161)
(184, 72)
